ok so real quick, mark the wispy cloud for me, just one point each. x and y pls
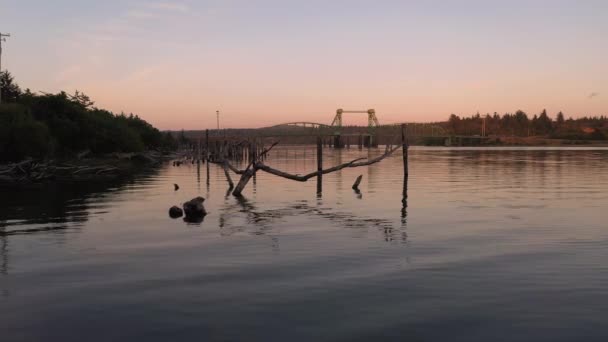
(153, 10)
(169, 6)
(141, 14)
(592, 95)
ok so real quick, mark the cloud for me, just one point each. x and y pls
(169, 6)
(592, 95)
(154, 10)
(141, 14)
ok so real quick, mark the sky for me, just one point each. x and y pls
(260, 63)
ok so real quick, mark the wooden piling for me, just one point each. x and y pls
(319, 164)
(207, 145)
(404, 149)
(367, 141)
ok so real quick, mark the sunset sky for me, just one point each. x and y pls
(266, 62)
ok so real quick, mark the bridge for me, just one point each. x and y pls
(374, 127)
(374, 133)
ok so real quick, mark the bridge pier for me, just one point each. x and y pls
(367, 141)
(338, 143)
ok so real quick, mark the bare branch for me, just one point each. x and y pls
(228, 178)
(353, 163)
(259, 156)
(233, 168)
(377, 159)
(250, 171)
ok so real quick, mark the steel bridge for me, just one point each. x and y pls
(374, 134)
(413, 129)
(373, 126)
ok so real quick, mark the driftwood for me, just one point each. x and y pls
(352, 163)
(31, 171)
(256, 165)
(251, 169)
(226, 166)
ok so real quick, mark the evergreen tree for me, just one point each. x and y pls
(11, 92)
(544, 123)
(560, 119)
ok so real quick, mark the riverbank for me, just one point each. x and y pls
(32, 172)
(495, 141)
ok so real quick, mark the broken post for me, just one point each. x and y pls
(357, 182)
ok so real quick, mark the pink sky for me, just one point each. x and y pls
(176, 63)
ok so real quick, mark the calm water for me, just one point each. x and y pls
(494, 245)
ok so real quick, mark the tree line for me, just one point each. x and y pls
(520, 124)
(61, 125)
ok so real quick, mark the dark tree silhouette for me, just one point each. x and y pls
(11, 92)
(57, 125)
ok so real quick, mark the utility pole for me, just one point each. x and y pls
(217, 112)
(2, 39)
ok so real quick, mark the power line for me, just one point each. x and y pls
(2, 39)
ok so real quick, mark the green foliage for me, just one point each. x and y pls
(519, 124)
(9, 90)
(169, 141)
(20, 135)
(559, 121)
(46, 125)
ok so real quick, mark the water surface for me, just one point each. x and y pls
(491, 245)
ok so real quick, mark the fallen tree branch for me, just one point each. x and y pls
(256, 165)
(266, 168)
(240, 172)
(353, 163)
(250, 171)
(234, 169)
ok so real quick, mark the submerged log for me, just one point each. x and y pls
(245, 177)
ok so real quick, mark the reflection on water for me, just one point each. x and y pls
(56, 207)
(476, 245)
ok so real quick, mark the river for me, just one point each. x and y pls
(492, 244)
